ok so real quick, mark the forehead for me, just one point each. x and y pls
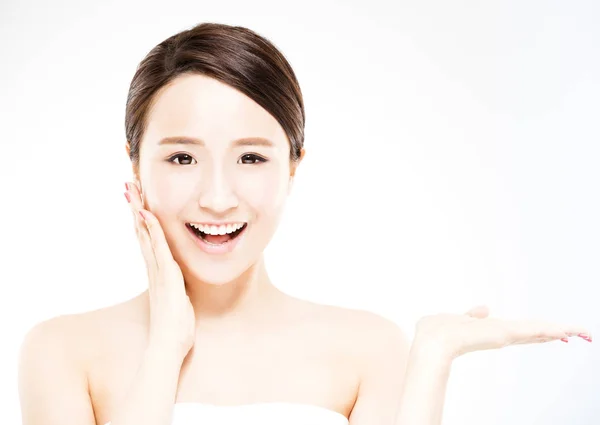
(202, 107)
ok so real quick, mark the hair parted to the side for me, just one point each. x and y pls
(234, 55)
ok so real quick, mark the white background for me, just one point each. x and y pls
(452, 159)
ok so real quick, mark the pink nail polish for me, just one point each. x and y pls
(127, 197)
(583, 336)
(564, 340)
(126, 186)
(142, 214)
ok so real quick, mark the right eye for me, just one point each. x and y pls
(182, 159)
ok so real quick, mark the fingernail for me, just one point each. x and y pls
(127, 197)
(142, 214)
(126, 186)
(564, 340)
(584, 336)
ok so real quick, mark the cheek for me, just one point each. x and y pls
(167, 192)
(264, 191)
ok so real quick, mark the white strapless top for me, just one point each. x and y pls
(265, 413)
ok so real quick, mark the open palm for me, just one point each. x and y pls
(458, 334)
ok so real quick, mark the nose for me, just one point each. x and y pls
(216, 192)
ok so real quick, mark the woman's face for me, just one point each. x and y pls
(211, 161)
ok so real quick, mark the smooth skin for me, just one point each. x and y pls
(216, 330)
(55, 389)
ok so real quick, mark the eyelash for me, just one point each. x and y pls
(253, 157)
(179, 155)
(257, 158)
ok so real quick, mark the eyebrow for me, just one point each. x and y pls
(245, 141)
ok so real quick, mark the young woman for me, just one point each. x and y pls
(215, 130)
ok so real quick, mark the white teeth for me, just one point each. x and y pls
(217, 230)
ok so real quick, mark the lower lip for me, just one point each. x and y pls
(223, 248)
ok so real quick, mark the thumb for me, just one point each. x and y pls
(479, 312)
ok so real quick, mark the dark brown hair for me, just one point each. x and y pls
(233, 55)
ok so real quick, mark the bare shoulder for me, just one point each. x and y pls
(51, 374)
(78, 331)
(54, 361)
(379, 348)
(53, 335)
(369, 333)
(76, 337)
(364, 323)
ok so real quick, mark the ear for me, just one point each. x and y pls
(293, 167)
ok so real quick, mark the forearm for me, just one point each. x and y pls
(425, 382)
(153, 392)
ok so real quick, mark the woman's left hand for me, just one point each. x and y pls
(458, 334)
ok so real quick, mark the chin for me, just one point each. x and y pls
(218, 274)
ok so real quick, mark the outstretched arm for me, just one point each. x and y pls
(425, 382)
(443, 337)
(401, 384)
(412, 383)
(385, 350)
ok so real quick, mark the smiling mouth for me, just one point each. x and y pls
(215, 236)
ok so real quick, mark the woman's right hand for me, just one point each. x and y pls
(172, 318)
(458, 334)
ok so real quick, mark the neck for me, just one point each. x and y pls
(243, 298)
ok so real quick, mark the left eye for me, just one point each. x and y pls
(182, 159)
(250, 158)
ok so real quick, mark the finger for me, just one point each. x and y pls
(132, 210)
(141, 231)
(157, 238)
(528, 331)
(579, 331)
(479, 312)
(135, 194)
(146, 247)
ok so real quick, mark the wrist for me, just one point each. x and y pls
(433, 349)
(164, 352)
